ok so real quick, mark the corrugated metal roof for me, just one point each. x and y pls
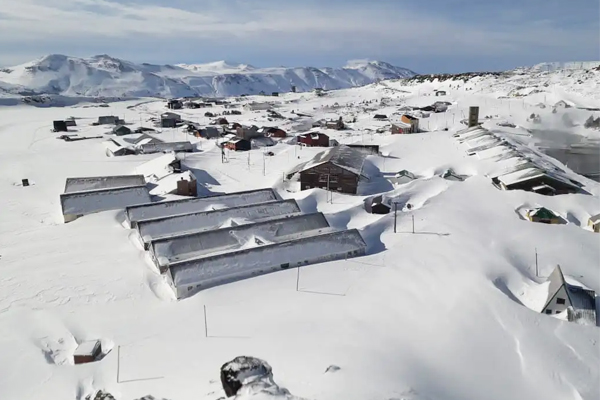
(83, 203)
(200, 221)
(82, 184)
(185, 206)
(342, 156)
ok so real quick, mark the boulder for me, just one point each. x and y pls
(243, 370)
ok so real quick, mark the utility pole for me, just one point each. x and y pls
(413, 223)
(298, 279)
(395, 215)
(537, 270)
(118, 362)
(264, 164)
(205, 323)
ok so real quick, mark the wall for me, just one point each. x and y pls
(340, 180)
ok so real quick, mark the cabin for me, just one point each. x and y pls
(166, 147)
(544, 216)
(87, 352)
(339, 169)
(174, 104)
(594, 223)
(169, 120)
(121, 130)
(71, 121)
(400, 128)
(335, 124)
(566, 294)
(108, 120)
(209, 132)
(238, 144)
(562, 104)
(273, 132)
(59, 126)
(412, 121)
(248, 132)
(402, 177)
(314, 139)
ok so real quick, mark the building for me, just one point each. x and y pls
(313, 139)
(537, 180)
(114, 149)
(257, 106)
(59, 126)
(191, 245)
(159, 167)
(103, 182)
(71, 121)
(209, 132)
(78, 204)
(450, 175)
(248, 132)
(594, 223)
(157, 228)
(87, 352)
(380, 116)
(339, 169)
(544, 216)
(165, 147)
(238, 144)
(108, 120)
(273, 132)
(174, 104)
(402, 177)
(380, 208)
(121, 130)
(369, 149)
(412, 121)
(335, 124)
(169, 120)
(275, 94)
(220, 121)
(400, 128)
(163, 209)
(191, 276)
(571, 296)
(562, 105)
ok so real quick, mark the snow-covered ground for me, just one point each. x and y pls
(436, 315)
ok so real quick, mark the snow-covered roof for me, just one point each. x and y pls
(157, 167)
(112, 146)
(240, 264)
(186, 206)
(204, 220)
(582, 299)
(178, 248)
(541, 210)
(345, 157)
(82, 203)
(88, 348)
(166, 146)
(83, 184)
(595, 219)
(168, 183)
(521, 175)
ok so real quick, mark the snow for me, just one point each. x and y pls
(441, 314)
(91, 201)
(103, 182)
(86, 348)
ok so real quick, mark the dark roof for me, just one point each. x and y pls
(344, 157)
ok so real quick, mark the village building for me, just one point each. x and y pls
(594, 223)
(400, 128)
(113, 148)
(192, 245)
(153, 229)
(169, 120)
(248, 132)
(160, 167)
(108, 120)
(71, 121)
(238, 144)
(275, 94)
(84, 184)
(379, 207)
(258, 106)
(537, 180)
(412, 121)
(367, 148)
(313, 139)
(339, 169)
(562, 105)
(220, 121)
(568, 295)
(121, 130)
(544, 216)
(143, 212)
(87, 352)
(191, 276)
(78, 204)
(174, 104)
(59, 126)
(337, 124)
(209, 132)
(165, 147)
(380, 116)
(270, 131)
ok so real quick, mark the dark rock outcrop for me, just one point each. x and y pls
(242, 370)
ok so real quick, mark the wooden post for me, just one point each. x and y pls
(298, 279)
(537, 270)
(205, 323)
(395, 215)
(413, 223)
(118, 363)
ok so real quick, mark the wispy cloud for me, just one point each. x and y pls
(282, 29)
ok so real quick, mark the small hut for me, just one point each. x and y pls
(87, 352)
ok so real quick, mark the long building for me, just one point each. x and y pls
(178, 248)
(153, 229)
(190, 276)
(77, 204)
(103, 182)
(164, 209)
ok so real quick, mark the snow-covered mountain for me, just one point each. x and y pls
(107, 76)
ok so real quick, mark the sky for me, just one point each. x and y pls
(431, 36)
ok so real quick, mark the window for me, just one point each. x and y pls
(548, 311)
(323, 177)
(560, 300)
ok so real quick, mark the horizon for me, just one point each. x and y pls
(442, 36)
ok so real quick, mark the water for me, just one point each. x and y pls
(571, 150)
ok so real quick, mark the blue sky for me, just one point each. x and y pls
(426, 36)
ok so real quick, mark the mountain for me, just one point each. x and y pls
(106, 76)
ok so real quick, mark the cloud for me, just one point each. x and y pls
(375, 29)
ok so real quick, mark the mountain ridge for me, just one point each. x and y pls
(106, 76)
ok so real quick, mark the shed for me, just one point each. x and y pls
(121, 130)
(87, 352)
(412, 121)
(594, 223)
(544, 216)
(314, 139)
(450, 175)
(169, 120)
(59, 126)
(71, 121)
(174, 104)
(399, 128)
(335, 124)
(238, 144)
(220, 121)
(402, 177)
(108, 120)
(209, 132)
(577, 300)
(248, 132)
(273, 132)
(187, 187)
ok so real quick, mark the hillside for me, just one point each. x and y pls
(107, 76)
